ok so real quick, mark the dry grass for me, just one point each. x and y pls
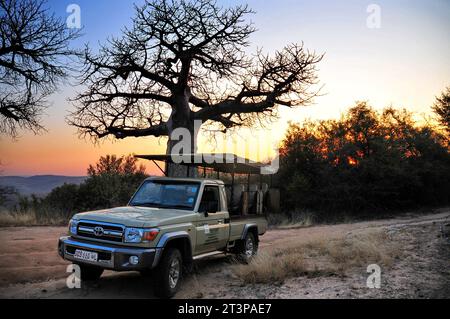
(302, 219)
(320, 257)
(29, 218)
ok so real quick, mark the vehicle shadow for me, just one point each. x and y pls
(132, 285)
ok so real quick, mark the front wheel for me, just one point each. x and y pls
(247, 248)
(168, 274)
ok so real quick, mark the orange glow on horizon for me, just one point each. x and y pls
(403, 64)
(62, 153)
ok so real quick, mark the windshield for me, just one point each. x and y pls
(167, 194)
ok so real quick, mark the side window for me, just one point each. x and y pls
(210, 200)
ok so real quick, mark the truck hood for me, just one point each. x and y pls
(138, 216)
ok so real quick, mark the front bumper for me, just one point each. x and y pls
(109, 256)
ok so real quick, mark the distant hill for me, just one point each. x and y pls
(39, 185)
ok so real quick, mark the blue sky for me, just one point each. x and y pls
(405, 63)
(411, 46)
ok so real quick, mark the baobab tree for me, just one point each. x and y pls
(184, 61)
(34, 47)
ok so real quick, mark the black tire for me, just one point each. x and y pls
(168, 273)
(90, 273)
(246, 249)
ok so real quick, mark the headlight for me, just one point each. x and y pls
(140, 235)
(73, 224)
(133, 235)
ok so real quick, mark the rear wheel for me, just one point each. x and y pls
(168, 274)
(90, 273)
(248, 248)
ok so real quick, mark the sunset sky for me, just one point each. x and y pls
(405, 63)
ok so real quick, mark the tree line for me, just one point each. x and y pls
(367, 162)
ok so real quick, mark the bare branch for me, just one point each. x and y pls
(286, 79)
(184, 60)
(33, 59)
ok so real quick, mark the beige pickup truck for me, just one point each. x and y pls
(167, 224)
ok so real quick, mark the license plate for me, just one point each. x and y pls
(85, 255)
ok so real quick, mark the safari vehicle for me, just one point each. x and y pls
(168, 223)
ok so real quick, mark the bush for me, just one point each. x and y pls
(64, 200)
(364, 162)
(111, 183)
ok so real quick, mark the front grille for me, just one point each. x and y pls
(101, 231)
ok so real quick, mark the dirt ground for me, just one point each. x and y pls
(31, 268)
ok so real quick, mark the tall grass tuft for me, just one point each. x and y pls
(320, 257)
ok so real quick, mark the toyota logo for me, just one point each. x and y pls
(99, 231)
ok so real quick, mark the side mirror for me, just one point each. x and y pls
(209, 208)
(212, 207)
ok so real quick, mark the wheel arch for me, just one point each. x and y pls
(250, 228)
(180, 240)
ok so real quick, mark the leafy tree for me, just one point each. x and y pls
(112, 181)
(183, 61)
(64, 199)
(442, 109)
(111, 164)
(365, 161)
(33, 59)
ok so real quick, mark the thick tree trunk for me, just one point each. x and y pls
(182, 138)
(180, 170)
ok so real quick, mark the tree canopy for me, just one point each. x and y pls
(183, 61)
(442, 109)
(366, 161)
(34, 46)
